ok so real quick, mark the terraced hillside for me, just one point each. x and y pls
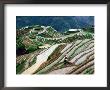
(80, 57)
(43, 50)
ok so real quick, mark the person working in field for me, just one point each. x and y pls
(66, 61)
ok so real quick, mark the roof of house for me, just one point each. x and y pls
(74, 29)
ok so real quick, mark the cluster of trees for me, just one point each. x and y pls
(23, 49)
(20, 47)
(89, 29)
(20, 67)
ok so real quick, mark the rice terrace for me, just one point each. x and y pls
(55, 45)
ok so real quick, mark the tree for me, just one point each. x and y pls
(20, 47)
(31, 48)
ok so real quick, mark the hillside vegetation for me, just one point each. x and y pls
(44, 50)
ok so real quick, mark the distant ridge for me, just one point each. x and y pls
(60, 23)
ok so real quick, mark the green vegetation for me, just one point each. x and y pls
(39, 39)
(19, 43)
(33, 61)
(20, 47)
(20, 67)
(32, 36)
(89, 29)
(89, 71)
(37, 43)
(31, 48)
